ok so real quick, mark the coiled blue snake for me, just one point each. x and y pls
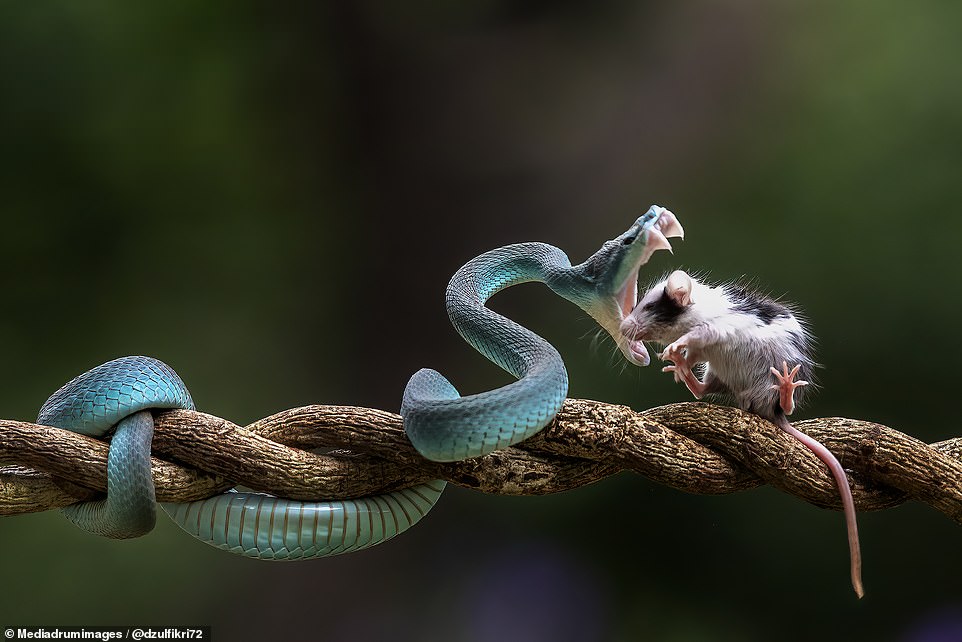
(117, 397)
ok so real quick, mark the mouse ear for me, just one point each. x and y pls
(678, 288)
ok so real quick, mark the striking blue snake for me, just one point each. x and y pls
(116, 397)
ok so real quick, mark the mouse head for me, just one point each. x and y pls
(662, 312)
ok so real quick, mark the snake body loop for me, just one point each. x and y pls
(118, 395)
(497, 418)
(444, 426)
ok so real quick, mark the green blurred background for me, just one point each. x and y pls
(271, 199)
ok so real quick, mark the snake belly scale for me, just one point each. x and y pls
(114, 400)
(118, 395)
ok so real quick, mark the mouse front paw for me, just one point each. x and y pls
(675, 352)
(681, 367)
(675, 371)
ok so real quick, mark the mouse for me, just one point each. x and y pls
(732, 341)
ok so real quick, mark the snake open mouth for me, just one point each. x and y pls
(655, 236)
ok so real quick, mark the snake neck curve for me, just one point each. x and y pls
(445, 426)
(486, 275)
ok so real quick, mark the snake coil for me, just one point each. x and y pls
(114, 400)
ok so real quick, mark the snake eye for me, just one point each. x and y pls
(628, 240)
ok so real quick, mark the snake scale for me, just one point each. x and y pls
(114, 400)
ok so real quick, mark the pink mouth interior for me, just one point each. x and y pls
(629, 298)
(666, 226)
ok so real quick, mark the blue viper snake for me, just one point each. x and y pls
(115, 399)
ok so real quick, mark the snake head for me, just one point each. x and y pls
(611, 275)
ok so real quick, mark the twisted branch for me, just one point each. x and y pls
(694, 447)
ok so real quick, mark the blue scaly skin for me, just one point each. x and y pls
(119, 394)
(445, 426)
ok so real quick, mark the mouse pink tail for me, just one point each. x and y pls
(848, 504)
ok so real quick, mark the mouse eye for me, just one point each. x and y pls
(648, 306)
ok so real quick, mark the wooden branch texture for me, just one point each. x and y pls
(694, 447)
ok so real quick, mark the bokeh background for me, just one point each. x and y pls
(271, 199)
